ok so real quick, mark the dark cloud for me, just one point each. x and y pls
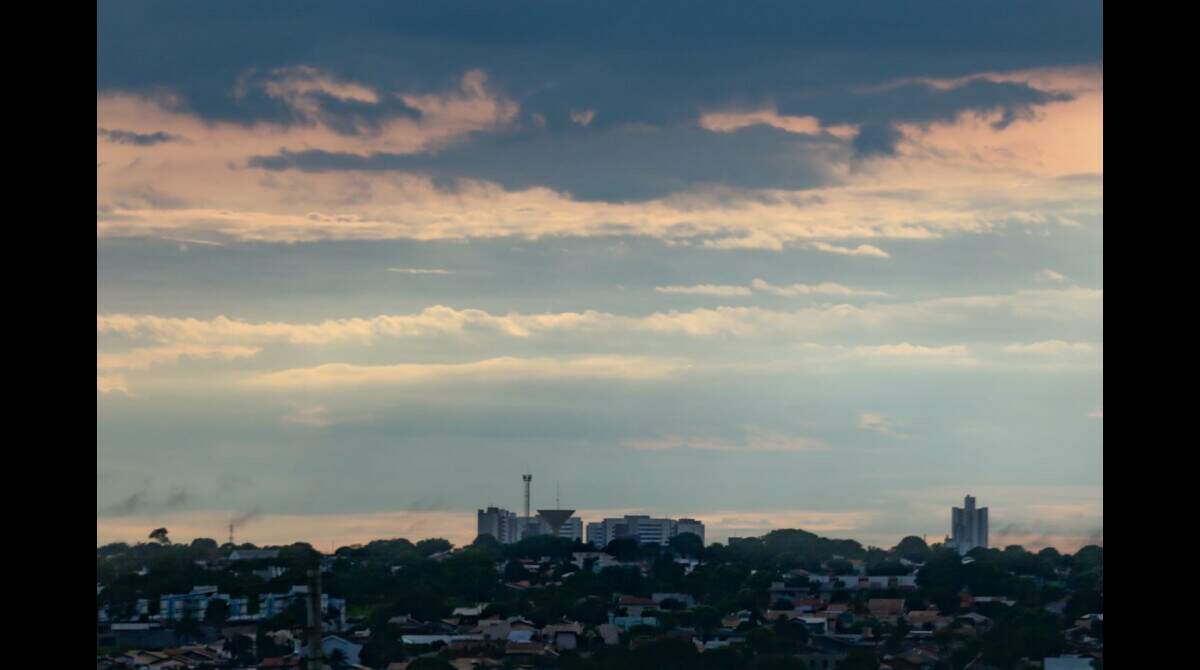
(629, 162)
(876, 139)
(615, 164)
(130, 504)
(139, 139)
(651, 66)
(644, 62)
(178, 498)
(924, 103)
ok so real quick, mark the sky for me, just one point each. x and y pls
(826, 265)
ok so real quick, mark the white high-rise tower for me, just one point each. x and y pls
(968, 526)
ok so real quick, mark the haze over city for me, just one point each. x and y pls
(360, 267)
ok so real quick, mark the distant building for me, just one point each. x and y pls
(644, 529)
(271, 604)
(690, 526)
(194, 605)
(499, 523)
(572, 529)
(968, 526)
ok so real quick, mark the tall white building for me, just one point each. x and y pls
(499, 523)
(644, 529)
(968, 526)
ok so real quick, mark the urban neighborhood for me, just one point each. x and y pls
(637, 592)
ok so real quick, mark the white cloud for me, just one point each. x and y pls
(705, 289)
(755, 440)
(1097, 413)
(1050, 348)
(878, 423)
(1050, 305)
(146, 357)
(312, 417)
(954, 353)
(860, 250)
(754, 239)
(583, 117)
(492, 370)
(823, 288)
(421, 271)
(112, 384)
(1050, 276)
(729, 121)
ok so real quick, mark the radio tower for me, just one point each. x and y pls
(526, 479)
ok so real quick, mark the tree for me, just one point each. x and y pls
(897, 637)
(241, 648)
(217, 611)
(859, 659)
(912, 548)
(665, 654)
(514, 571)
(382, 647)
(687, 544)
(488, 544)
(471, 575)
(159, 535)
(1025, 633)
(430, 663)
(433, 545)
(706, 619)
(205, 547)
(623, 549)
(840, 566)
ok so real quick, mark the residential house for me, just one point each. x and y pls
(253, 554)
(564, 636)
(682, 598)
(610, 633)
(886, 609)
(634, 606)
(1067, 663)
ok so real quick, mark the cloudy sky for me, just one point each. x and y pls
(818, 265)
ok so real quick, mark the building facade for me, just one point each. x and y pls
(690, 526)
(572, 528)
(644, 529)
(968, 526)
(499, 523)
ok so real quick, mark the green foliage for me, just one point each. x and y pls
(430, 663)
(687, 544)
(540, 546)
(433, 546)
(942, 578)
(624, 549)
(489, 545)
(888, 569)
(859, 659)
(1022, 633)
(385, 578)
(217, 612)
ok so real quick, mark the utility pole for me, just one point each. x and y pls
(313, 660)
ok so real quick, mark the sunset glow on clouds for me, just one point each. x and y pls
(757, 271)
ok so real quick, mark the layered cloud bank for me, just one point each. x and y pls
(746, 266)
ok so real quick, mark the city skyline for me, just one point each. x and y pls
(361, 267)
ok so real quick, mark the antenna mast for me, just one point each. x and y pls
(527, 478)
